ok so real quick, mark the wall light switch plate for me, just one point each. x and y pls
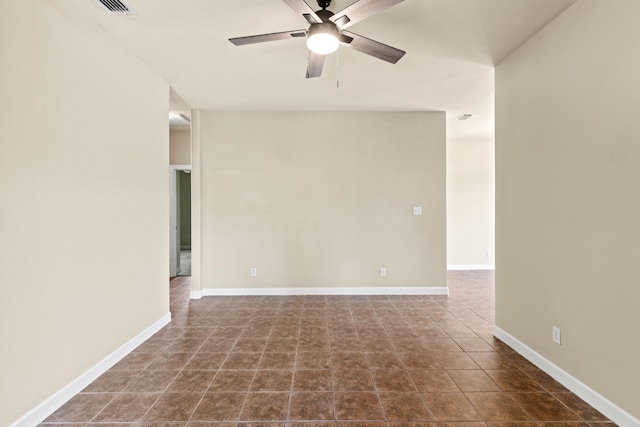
(383, 272)
(417, 210)
(253, 272)
(555, 334)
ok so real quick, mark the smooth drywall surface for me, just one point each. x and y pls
(470, 203)
(323, 199)
(84, 200)
(568, 195)
(180, 146)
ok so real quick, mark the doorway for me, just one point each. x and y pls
(180, 220)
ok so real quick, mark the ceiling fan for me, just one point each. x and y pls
(327, 31)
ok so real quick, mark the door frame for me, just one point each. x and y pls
(174, 231)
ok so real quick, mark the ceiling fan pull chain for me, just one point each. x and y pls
(338, 69)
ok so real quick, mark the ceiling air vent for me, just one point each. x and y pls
(116, 7)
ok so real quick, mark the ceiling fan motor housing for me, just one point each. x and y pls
(326, 27)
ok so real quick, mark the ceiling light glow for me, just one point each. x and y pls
(322, 43)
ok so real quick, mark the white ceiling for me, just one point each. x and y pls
(451, 45)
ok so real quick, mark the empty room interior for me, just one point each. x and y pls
(208, 220)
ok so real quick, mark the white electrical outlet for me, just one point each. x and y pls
(555, 334)
(417, 210)
(383, 272)
(489, 253)
(253, 272)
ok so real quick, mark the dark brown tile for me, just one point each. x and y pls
(313, 360)
(151, 382)
(412, 424)
(385, 360)
(352, 380)
(441, 344)
(193, 381)
(513, 424)
(455, 360)
(433, 381)
(170, 362)
(208, 361)
(312, 380)
(214, 424)
(81, 408)
(265, 407)
(311, 406)
(404, 407)
(250, 345)
(242, 361)
(154, 345)
(545, 381)
(173, 407)
(219, 407)
(580, 407)
(147, 424)
(111, 382)
(422, 360)
(544, 407)
(281, 345)
(233, 380)
(473, 380)
(362, 424)
(217, 345)
(312, 423)
(127, 407)
(497, 406)
(473, 344)
(514, 381)
(135, 362)
(462, 424)
(376, 345)
(565, 424)
(393, 380)
(277, 361)
(272, 380)
(451, 407)
(491, 360)
(259, 424)
(348, 360)
(186, 345)
(358, 406)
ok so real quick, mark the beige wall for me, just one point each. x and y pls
(84, 200)
(323, 199)
(470, 203)
(568, 195)
(180, 146)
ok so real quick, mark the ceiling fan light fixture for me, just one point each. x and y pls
(323, 38)
(322, 43)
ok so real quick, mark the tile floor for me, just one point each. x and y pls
(328, 361)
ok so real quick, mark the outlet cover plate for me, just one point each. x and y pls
(555, 334)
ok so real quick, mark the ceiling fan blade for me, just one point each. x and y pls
(372, 47)
(261, 38)
(301, 7)
(361, 10)
(314, 68)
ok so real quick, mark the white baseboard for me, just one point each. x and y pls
(471, 267)
(407, 290)
(593, 398)
(49, 406)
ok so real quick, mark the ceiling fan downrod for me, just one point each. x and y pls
(324, 4)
